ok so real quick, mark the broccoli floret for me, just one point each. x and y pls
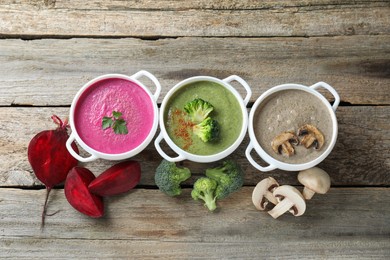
(198, 109)
(207, 130)
(204, 189)
(229, 177)
(168, 177)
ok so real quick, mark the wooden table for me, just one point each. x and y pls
(49, 49)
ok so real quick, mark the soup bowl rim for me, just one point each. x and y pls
(185, 155)
(273, 162)
(95, 154)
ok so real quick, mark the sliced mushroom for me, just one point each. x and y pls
(315, 180)
(290, 200)
(262, 194)
(282, 144)
(311, 136)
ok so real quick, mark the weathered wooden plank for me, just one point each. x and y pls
(43, 20)
(345, 223)
(307, 248)
(50, 72)
(360, 157)
(120, 5)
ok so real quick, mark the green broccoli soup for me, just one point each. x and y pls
(203, 138)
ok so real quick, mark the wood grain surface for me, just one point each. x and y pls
(148, 224)
(49, 72)
(120, 5)
(360, 156)
(43, 20)
(50, 48)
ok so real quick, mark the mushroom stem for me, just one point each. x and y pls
(311, 136)
(271, 198)
(307, 193)
(290, 200)
(281, 208)
(315, 180)
(281, 144)
(263, 193)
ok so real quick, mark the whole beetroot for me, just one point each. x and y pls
(49, 158)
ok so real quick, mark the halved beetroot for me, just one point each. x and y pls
(117, 179)
(78, 195)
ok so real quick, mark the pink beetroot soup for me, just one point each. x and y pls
(105, 96)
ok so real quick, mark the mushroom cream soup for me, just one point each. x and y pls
(99, 101)
(227, 112)
(288, 110)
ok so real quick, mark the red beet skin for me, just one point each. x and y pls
(78, 195)
(119, 178)
(49, 158)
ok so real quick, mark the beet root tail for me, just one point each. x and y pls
(45, 208)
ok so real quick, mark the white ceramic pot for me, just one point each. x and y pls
(95, 154)
(184, 155)
(274, 163)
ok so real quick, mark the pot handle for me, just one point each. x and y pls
(163, 154)
(255, 164)
(76, 155)
(243, 83)
(150, 76)
(331, 90)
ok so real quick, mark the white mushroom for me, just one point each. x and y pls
(315, 180)
(290, 200)
(262, 193)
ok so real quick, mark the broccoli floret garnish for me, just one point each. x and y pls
(207, 130)
(168, 177)
(204, 189)
(229, 177)
(198, 109)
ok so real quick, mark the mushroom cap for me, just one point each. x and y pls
(315, 179)
(292, 194)
(260, 191)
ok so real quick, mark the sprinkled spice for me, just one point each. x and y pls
(184, 127)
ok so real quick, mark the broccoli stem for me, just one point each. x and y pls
(209, 201)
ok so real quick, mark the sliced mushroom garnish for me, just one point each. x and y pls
(282, 144)
(311, 136)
